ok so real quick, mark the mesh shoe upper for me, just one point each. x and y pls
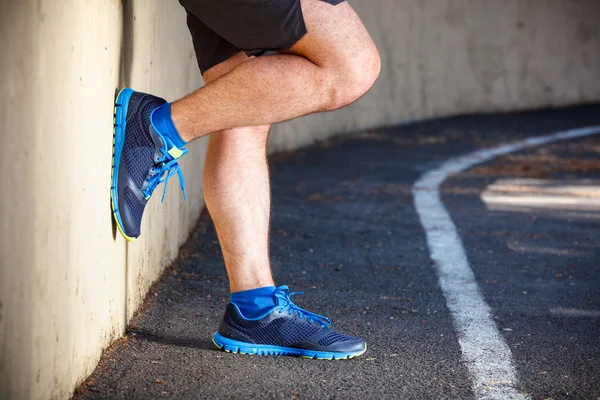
(138, 147)
(145, 161)
(289, 326)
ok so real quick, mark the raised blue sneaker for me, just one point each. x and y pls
(142, 159)
(285, 330)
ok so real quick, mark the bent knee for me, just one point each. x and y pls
(350, 83)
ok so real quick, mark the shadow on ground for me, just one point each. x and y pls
(345, 232)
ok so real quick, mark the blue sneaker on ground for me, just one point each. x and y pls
(142, 159)
(285, 330)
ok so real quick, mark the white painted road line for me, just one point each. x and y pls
(484, 350)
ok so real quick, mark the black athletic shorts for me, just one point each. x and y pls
(221, 28)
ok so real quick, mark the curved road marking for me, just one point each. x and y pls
(484, 350)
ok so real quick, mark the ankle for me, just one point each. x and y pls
(246, 285)
(252, 273)
(181, 123)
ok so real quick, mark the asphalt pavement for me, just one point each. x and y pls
(345, 231)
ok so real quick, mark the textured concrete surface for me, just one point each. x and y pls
(446, 57)
(345, 231)
(68, 285)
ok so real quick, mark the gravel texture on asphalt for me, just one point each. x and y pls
(344, 231)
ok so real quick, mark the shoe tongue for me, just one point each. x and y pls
(283, 296)
(281, 302)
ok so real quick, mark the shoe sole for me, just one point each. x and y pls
(235, 346)
(119, 125)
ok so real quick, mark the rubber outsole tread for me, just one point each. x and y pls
(262, 352)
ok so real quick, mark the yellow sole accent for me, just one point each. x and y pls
(129, 239)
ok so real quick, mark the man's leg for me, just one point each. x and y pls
(260, 318)
(334, 64)
(237, 194)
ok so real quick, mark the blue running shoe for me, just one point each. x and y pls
(285, 330)
(142, 159)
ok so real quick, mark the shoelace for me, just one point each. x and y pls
(283, 293)
(168, 168)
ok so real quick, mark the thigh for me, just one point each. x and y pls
(334, 36)
(225, 67)
(248, 137)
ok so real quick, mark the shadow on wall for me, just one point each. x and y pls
(124, 80)
(17, 205)
(126, 56)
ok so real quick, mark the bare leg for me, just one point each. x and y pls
(237, 194)
(334, 64)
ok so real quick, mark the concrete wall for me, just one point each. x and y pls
(68, 284)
